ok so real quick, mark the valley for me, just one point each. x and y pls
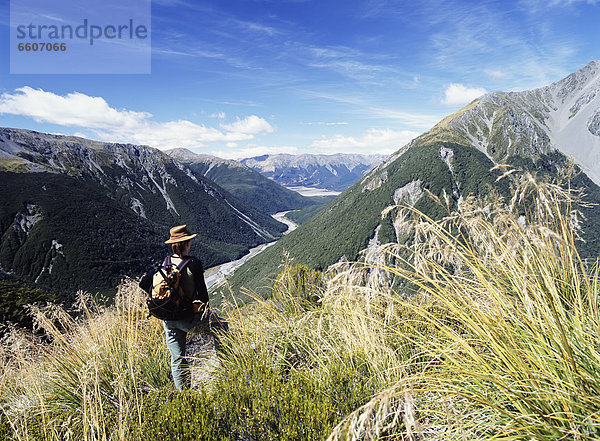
(216, 275)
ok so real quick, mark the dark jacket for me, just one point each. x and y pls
(192, 281)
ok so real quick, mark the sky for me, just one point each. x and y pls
(241, 78)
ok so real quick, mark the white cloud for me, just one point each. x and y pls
(458, 94)
(250, 125)
(382, 141)
(73, 109)
(220, 115)
(372, 140)
(114, 125)
(323, 123)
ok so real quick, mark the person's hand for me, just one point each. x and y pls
(200, 308)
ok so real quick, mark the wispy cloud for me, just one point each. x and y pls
(465, 37)
(536, 6)
(323, 123)
(366, 108)
(496, 73)
(251, 150)
(372, 140)
(121, 125)
(257, 27)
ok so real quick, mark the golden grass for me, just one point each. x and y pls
(90, 381)
(517, 353)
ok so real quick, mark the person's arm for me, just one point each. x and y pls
(200, 295)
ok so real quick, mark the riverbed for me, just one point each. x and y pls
(216, 275)
(311, 191)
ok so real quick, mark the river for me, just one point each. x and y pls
(216, 275)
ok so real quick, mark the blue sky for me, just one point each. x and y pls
(238, 78)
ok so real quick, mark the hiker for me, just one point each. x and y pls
(194, 288)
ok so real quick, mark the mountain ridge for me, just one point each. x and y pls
(453, 159)
(244, 182)
(561, 116)
(52, 180)
(333, 172)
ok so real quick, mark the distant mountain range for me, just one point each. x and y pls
(333, 172)
(244, 182)
(536, 130)
(81, 214)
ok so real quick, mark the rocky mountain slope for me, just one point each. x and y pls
(243, 182)
(564, 117)
(536, 130)
(76, 213)
(333, 172)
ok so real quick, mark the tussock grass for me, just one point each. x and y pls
(482, 325)
(516, 354)
(91, 380)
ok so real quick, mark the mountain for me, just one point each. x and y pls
(536, 130)
(332, 172)
(564, 117)
(243, 182)
(81, 214)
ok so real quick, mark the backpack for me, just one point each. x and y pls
(165, 297)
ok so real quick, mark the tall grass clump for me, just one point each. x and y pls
(516, 351)
(308, 356)
(90, 382)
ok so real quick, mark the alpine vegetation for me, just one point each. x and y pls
(482, 324)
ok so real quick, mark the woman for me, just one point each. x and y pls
(194, 288)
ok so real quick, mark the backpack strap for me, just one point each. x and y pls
(184, 261)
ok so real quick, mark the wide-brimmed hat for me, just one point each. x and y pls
(180, 233)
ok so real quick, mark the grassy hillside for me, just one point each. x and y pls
(344, 228)
(305, 214)
(495, 337)
(80, 236)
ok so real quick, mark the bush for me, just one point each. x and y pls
(258, 403)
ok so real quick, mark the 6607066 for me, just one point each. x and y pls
(42, 47)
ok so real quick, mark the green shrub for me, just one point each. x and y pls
(258, 403)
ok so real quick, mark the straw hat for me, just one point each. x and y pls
(180, 234)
